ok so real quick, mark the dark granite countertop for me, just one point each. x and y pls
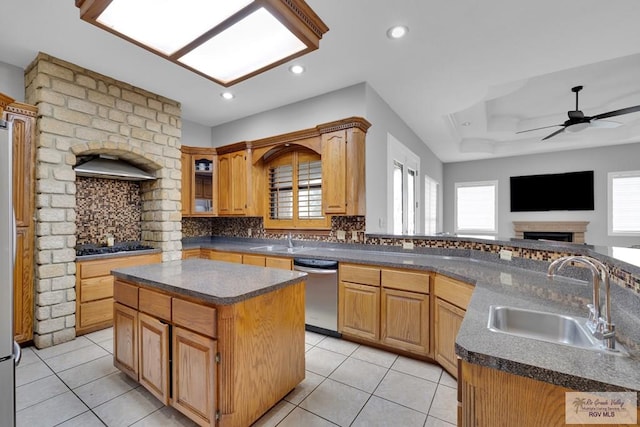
(499, 283)
(211, 281)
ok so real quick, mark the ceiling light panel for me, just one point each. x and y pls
(225, 41)
(167, 25)
(251, 44)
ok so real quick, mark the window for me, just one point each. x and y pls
(295, 191)
(624, 203)
(403, 182)
(430, 206)
(476, 206)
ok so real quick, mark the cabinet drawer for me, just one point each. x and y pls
(96, 288)
(360, 274)
(405, 280)
(96, 313)
(454, 291)
(258, 260)
(154, 303)
(283, 263)
(126, 294)
(196, 317)
(225, 256)
(103, 267)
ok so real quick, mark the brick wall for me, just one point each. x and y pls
(82, 112)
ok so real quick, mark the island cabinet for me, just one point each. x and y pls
(451, 300)
(199, 179)
(222, 365)
(94, 289)
(385, 306)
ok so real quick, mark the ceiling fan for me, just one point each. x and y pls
(578, 121)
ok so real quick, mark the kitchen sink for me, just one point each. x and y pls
(279, 249)
(539, 325)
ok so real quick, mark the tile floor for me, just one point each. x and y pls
(75, 384)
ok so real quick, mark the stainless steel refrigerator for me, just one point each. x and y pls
(9, 350)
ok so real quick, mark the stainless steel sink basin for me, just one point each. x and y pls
(279, 249)
(539, 325)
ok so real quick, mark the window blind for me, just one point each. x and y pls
(624, 201)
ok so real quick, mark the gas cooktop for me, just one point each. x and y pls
(85, 250)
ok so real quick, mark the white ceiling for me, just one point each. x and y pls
(502, 65)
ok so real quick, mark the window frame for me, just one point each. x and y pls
(399, 154)
(611, 176)
(431, 213)
(293, 157)
(471, 184)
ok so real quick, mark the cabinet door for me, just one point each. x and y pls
(334, 172)
(224, 184)
(359, 310)
(154, 356)
(194, 376)
(187, 185)
(238, 183)
(125, 338)
(405, 320)
(448, 319)
(23, 286)
(23, 167)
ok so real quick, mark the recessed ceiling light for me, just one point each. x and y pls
(296, 69)
(397, 32)
(465, 124)
(227, 95)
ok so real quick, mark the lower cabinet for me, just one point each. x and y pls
(250, 259)
(125, 341)
(194, 375)
(385, 306)
(451, 300)
(153, 358)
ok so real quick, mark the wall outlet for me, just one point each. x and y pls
(248, 232)
(506, 255)
(354, 236)
(341, 235)
(407, 245)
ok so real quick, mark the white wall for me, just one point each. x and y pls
(195, 135)
(12, 81)
(358, 100)
(601, 160)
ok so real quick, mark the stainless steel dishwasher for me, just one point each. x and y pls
(321, 294)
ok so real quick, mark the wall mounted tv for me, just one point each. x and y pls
(572, 191)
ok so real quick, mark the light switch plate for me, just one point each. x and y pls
(407, 245)
(506, 255)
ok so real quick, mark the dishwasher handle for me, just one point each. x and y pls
(314, 270)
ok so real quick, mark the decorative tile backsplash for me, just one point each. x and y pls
(107, 206)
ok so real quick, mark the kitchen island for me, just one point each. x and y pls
(220, 342)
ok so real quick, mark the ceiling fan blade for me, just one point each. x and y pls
(544, 127)
(617, 112)
(604, 124)
(553, 134)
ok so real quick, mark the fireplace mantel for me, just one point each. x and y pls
(578, 228)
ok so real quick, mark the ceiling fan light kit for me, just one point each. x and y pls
(578, 121)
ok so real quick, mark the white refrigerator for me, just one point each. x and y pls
(9, 350)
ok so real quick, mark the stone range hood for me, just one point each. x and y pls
(83, 113)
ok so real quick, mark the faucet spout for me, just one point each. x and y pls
(601, 328)
(289, 241)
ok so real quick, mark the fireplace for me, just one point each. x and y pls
(562, 231)
(558, 236)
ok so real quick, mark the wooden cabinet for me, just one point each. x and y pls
(234, 183)
(359, 310)
(267, 261)
(405, 320)
(343, 172)
(94, 289)
(194, 376)
(451, 300)
(23, 119)
(228, 364)
(223, 256)
(199, 179)
(125, 339)
(153, 356)
(191, 253)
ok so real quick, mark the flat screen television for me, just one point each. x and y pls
(571, 191)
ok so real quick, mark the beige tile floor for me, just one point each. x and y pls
(346, 384)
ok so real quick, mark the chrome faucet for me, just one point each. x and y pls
(600, 327)
(289, 241)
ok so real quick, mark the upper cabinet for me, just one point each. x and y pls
(234, 183)
(343, 171)
(199, 179)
